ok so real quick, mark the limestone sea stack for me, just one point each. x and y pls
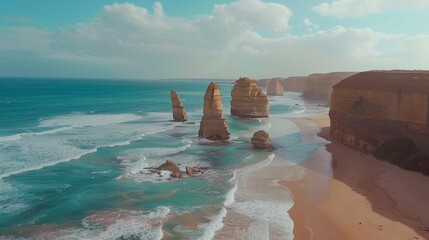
(275, 87)
(213, 125)
(261, 140)
(179, 113)
(248, 100)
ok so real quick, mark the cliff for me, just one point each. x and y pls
(213, 125)
(275, 88)
(247, 99)
(371, 108)
(319, 86)
(294, 84)
(262, 82)
(179, 113)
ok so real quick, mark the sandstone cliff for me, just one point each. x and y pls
(179, 113)
(261, 140)
(213, 125)
(370, 108)
(319, 86)
(247, 99)
(294, 84)
(275, 88)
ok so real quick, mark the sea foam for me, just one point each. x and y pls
(117, 224)
(72, 137)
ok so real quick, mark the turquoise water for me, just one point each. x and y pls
(73, 154)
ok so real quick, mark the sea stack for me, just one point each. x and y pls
(213, 125)
(275, 88)
(261, 140)
(179, 113)
(247, 99)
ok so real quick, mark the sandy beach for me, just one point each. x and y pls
(346, 194)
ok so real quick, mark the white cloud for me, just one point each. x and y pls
(247, 37)
(358, 8)
(254, 14)
(309, 23)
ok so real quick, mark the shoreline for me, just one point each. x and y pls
(346, 194)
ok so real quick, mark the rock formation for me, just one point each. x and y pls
(247, 99)
(371, 108)
(275, 87)
(192, 171)
(179, 113)
(319, 86)
(172, 167)
(294, 84)
(213, 125)
(261, 140)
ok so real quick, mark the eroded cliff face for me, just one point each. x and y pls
(372, 107)
(213, 125)
(275, 87)
(179, 113)
(319, 86)
(247, 99)
(294, 84)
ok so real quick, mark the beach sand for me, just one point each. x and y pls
(346, 194)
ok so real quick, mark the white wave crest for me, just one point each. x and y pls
(88, 120)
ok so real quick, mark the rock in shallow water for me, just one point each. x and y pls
(261, 140)
(172, 167)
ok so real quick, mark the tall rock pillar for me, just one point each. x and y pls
(179, 113)
(213, 125)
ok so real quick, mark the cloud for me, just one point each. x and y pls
(14, 18)
(246, 37)
(254, 14)
(359, 8)
(309, 23)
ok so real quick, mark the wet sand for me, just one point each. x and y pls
(346, 194)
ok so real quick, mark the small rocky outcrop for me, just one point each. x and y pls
(213, 124)
(275, 88)
(179, 113)
(192, 171)
(248, 100)
(261, 140)
(172, 167)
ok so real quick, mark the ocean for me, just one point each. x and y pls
(74, 155)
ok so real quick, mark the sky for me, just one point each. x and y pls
(146, 39)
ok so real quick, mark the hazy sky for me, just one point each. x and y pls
(209, 38)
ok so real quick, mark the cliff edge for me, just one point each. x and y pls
(371, 108)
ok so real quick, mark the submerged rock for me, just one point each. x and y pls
(248, 100)
(261, 140)
(179, 113)
(213, 124)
